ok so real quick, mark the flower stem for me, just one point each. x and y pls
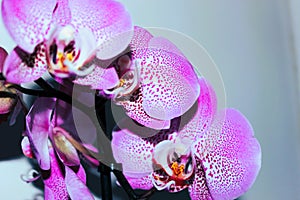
(39, 93)
(125, 184)
(108, 155)
(56, 93)
(105, 171)
(106, 189)
(4, 94)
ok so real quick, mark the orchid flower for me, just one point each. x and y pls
(60, 183)
(47, 139)
(153, 82)
(213, 154)
(62, 36)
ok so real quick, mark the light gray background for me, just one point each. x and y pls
(252, 43)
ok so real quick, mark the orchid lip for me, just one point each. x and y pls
(181, 168)
(174, 165)
(128, 84)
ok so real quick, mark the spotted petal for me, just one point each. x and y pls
(139, 41)
(142, 183)
(21, 67)
(232, 163)
(199, 189)
(63, 183)
(61, 13)
(55, 187)
(169, 84)
(75, 187)
(28, 21)
(100, 78)
(134, 152)
(134, 109)
(38, 127)
(198, 119)
(160, 43)
(108, 20)
(166, 85)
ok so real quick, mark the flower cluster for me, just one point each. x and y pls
(213, 154)
(173, 136)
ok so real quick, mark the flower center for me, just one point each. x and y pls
(68, 52)
(178, 169)
(129, 80)
(181, 166)
(175, 166)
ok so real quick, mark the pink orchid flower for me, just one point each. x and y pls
(153, 82)
(62, 36)
(213, 154)
(48, 140)
(60, 182)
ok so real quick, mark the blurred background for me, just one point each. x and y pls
(256, 46)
